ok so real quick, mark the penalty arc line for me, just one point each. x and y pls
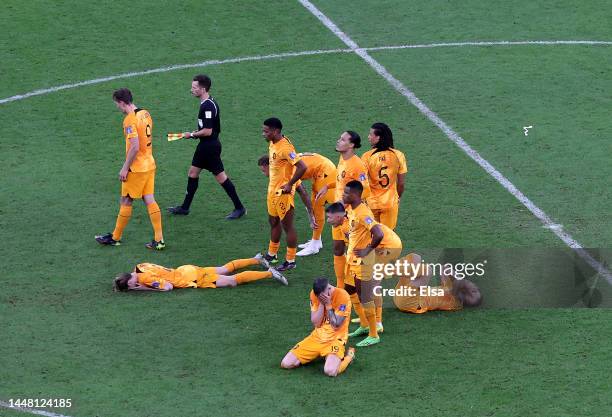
(50, 90)
(458, 140)
(30, 410)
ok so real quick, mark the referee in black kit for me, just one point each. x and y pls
(208, 153)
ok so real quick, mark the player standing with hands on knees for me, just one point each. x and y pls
(208, 152)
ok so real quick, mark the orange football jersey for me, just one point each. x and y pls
(383, 168)
(282, 159)
(140, 124)
(349, 170)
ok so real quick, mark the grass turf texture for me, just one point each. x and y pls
(217, 352)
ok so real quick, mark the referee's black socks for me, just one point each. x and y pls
(192, 186)
(229, 188)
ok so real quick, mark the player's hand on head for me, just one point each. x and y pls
(325, 299)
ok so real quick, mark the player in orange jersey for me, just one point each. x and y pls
(151, 277)
(322, 173)
(330, 310)
(137, 174)
(286, 168)
(370, 243)
(415, 295)
(387, 170)
(350, 166)
(264, 165)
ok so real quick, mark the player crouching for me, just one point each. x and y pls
(151, 277)
(330, 310)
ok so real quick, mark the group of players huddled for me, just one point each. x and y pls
(359, 197)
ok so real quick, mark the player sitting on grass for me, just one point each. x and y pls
(151, 277)
(453, 294)
(330, 310)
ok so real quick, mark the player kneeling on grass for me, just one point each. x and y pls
(452, 293)
(330, 310)
(151, 277)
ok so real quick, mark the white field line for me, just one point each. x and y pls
(458, 140)
(168, 69)
(31, 410)
(49, 90)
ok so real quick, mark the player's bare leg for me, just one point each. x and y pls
(290, 361)
(123, 218)
(193, 176)
(334, 366)
(156, 221)
(291, 237)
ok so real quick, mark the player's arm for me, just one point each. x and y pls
(307, 203)
(317, 314)
(400, 184)
(300, 169)
(334, 320)
(377, 237)
(166, 286)
(129, 158)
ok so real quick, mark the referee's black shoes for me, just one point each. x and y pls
(236, 214)
(178, 210)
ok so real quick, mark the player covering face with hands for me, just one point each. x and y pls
(330, 311)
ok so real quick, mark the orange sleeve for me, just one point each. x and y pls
(367, 220)
(291, 155)
(403, 166)
(342, 306)
(152, 281)
(129, 127)
(314, 301)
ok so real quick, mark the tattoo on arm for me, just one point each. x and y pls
(335, 321)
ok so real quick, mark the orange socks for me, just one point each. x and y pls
(273, 248)
(291, 254)
(339, 263)
(125, 212)
(248, 276)
(363, 320)
(231, 266)
(156, 221)
(370, 313)
(378, 301)
(319, 214)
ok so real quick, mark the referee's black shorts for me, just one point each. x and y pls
(208, 156)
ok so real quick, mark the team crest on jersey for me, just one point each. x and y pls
(292, 155)
(362, 177)
(369, 220)
(274, 155)
(342, 307)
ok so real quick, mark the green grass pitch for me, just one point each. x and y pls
(65, 334)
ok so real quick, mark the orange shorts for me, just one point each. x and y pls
(387, 216)
(203, 277)
(279, 205)
(328, 197)
(312, 347)
(138, 184)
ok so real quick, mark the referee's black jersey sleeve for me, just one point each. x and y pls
(208, 117)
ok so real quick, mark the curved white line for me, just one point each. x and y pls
(286, 55)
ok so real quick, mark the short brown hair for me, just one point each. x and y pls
(263, 160)
(204, 81)
(121, 281)
(123, 94)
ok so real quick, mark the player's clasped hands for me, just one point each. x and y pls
(286, 189)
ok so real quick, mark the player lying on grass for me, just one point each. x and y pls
(151, 277)
(330, 311)
(453, 294)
